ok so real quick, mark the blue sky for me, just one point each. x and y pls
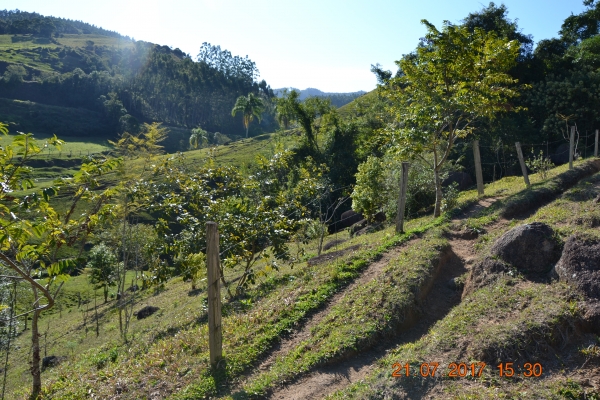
(326, 44)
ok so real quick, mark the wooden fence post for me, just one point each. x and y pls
(522, 162)
(478, 172)
(596, 145)
(571, 147)
(215, 335)
(402, 199)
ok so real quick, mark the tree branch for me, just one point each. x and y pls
(32, 281)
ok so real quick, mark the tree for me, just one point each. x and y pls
(250, 107)
(102, 263)
(307, 114)
(15, 73)
(199, 137)
(32, 217)
(455, 77)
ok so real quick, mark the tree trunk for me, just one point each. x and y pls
(36, 387)
(105, 294)
(438, 193)
(247, 126)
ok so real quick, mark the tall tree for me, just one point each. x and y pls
(454, 77)
(250, 107)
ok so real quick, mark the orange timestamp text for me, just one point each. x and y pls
(462, 370)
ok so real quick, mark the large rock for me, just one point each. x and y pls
(347, 219)
(561, 154)
(146, 312)
(463, 180)
(580, 265)
(51, 361)
(530, 248)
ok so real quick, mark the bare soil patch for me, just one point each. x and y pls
(434, 305)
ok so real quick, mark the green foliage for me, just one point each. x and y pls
(102, 263)
(195, 268)
(539, 164)
(14, 74)
(249, 106)
(145, 144)
(308, 114)
(199, 137)
(454, 78)
(367, 197)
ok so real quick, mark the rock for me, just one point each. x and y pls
(133, 288)
(333, 243)
(347, 219)
(379, 217)
(146, 312)
(561, 154)
(591, 316)
(485, 273)
(358, 226)
(463, 179)
(51, 361)
(530, 248)
(579, 265)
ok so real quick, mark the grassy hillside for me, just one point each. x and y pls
(42, 53)
(369, 302)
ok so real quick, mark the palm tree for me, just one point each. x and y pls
(250, 107)
(198, 137)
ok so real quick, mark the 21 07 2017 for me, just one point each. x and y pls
(462, 370)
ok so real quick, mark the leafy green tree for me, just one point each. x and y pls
(145, 144)
(199, 137)
(102, 263)
(455, 77)
(15, 73)
(40, 221)
(308, 114)
(367, 197)
(250, 107)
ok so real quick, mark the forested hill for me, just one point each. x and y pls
(50, 62)
(22, 22)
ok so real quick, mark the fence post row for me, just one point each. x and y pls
(215, 335)
(571, 147)
(522, 162)
(402, 201)
(478, 172)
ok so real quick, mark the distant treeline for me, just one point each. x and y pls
(23, 22)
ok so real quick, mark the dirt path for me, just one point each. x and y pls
(440, 300)
(442, 297)
(293, 340)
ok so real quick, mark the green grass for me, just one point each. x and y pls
(362, 315)
(249, 332)
(511, 320)
(37, 118)
(170, 352)
(26, 49)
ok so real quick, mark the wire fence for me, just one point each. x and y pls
(504, 160)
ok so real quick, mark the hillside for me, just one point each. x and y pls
(109, 257)
(324, 338)
(75, 66)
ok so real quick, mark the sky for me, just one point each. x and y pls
(325, 44)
